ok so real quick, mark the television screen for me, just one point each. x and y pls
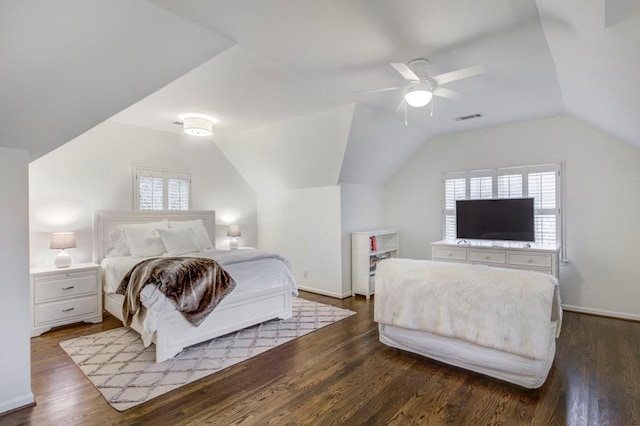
(495, 219)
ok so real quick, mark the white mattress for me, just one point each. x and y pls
(270, 271)
(513, 368)
(253, 276)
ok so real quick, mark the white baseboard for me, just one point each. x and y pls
(601, 312)
(17, 402)
(324, 293)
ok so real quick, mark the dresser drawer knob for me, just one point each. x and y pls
(68, 309)
(449, 254)
(529, 260)
(68, 288)
(487, 257)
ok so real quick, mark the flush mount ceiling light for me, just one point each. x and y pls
(197, 126)
(418, 96)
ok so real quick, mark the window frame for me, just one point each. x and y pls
(524, 172)
(165, 174)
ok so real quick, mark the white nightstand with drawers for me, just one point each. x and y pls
(65, 295)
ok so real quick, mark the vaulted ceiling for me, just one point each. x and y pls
(256, 64)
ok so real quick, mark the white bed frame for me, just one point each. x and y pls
(174, 332)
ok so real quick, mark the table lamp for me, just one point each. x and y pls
(62, 241)
(233, 232)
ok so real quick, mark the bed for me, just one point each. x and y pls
(499, 322)
(264, 285)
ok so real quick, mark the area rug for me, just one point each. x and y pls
(127, 375)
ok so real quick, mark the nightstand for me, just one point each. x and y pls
(65, 295)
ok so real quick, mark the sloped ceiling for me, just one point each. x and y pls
(598, 62)
(88, 60)
(69, 65)
(303, 152)
(295, 58)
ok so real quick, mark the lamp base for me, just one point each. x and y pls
(63, 260)
(233, 244)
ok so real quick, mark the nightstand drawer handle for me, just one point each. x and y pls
(68, 309)
(68, 288)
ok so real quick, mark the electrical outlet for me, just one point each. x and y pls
(305, 274)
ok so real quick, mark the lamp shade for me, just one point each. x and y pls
(234, 231)
(62, 240)
(197, 126)
(418, 97)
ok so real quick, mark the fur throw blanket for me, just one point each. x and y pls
(505, 309)
(194, 285)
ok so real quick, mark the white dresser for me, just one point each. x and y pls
(65, 295)
(505, 254)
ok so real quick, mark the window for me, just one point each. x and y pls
(542, 182)
(161, 189)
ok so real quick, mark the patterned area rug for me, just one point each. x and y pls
(126, 374)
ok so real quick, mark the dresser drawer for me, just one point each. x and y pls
(449, 253)
(64, 309)
(60, 286)
(487, 256)
(542, 260)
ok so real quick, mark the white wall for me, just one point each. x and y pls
(362, 208)
(303, 225)
(15, 358)
(94, 172)
(305, 152)
(378, 146)
(602, 182)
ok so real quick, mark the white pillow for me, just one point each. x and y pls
(118, 245)
(143, 239)
(200, 233)
(178, 241)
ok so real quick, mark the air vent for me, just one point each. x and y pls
(468, 117)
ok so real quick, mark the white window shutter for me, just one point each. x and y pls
(544, 188)
(455, 188)
(161, 189)
(178, 194)
(481, 184)
(542, 182)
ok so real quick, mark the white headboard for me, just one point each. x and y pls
(107, 221)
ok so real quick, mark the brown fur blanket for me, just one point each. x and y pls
(194, 285)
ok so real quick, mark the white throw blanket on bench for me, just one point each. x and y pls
(505, 309)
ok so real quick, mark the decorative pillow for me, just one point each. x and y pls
(143, 239)
(118, 245)
(200, 233)
(178, 241)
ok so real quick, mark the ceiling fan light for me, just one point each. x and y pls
(197, 126)
(418, 97)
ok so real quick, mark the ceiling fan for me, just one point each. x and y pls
(421, 87)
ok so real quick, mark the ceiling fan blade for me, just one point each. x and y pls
(383, 89)
(405, 71)
(459, 74)
(443, 92)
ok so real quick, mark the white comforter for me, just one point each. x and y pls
(504, 309)
(252, 270)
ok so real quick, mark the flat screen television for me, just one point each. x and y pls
(495, 219)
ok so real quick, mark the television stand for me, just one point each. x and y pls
(506, 254)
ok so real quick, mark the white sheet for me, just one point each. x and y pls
(520, 370)
(504, 309)
(250, 276)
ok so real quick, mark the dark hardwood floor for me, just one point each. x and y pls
(342, 374)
